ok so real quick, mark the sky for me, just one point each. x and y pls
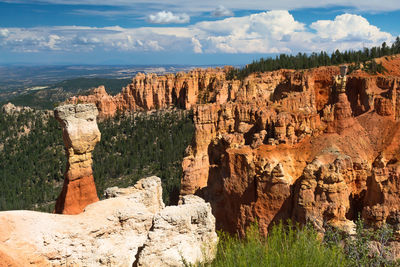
(206, 32)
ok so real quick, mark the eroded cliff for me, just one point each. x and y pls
(299, 148)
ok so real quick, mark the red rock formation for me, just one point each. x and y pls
(314, 159)
(80, 135)
(147, 92)
(343, 118)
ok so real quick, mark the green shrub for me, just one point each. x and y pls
(284, 246)
(358, 249)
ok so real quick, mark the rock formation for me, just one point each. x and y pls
(298, 149)
(343, 117)
(286, 144)
(80, 135)
(131, 229)
(150, 91)
(186, 231)
(10, 108)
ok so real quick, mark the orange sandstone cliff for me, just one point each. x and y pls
(284, 144)
(150, 91)
(291, 145)
(80, 135)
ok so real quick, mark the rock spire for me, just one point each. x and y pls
(80, 135)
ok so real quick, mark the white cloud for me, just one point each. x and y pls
(257, 33)
(197, 47)
(52, 42)
(80, 39)
(167, 17)
(221, 11)
(348, 28)
(4, 32)
(266, 32)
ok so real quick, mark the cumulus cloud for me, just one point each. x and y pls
(197, 47)
(348, 27)
(70, 38)
(257, 33)
(221, 11)
(167, 17)
(266, 32)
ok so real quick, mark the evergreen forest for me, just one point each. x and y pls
(32, 160)
(32, 157)
(139, 145)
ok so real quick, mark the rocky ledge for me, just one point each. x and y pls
(130, 228)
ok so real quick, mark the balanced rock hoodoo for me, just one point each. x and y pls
(80, 135)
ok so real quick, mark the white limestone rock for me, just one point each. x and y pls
(184, 233)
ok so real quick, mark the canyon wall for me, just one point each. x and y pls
(284, 144)
(149, 91)
(306, 152)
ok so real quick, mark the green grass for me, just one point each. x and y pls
(285, 246)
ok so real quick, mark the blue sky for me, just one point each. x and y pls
(187, 32)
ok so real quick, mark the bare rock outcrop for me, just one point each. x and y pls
(381, 202)
(186, 233)
(132, 228)
(10, 108)
(80, 135)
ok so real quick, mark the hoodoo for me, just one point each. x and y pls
(80, 135)
(343, 113)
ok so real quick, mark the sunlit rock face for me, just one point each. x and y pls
(290, 145)
(80, 135)
(150, 91)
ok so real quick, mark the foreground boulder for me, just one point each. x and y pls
(131, 229)
(80, 135)
(178, 229)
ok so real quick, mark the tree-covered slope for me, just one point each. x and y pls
(32, 159)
